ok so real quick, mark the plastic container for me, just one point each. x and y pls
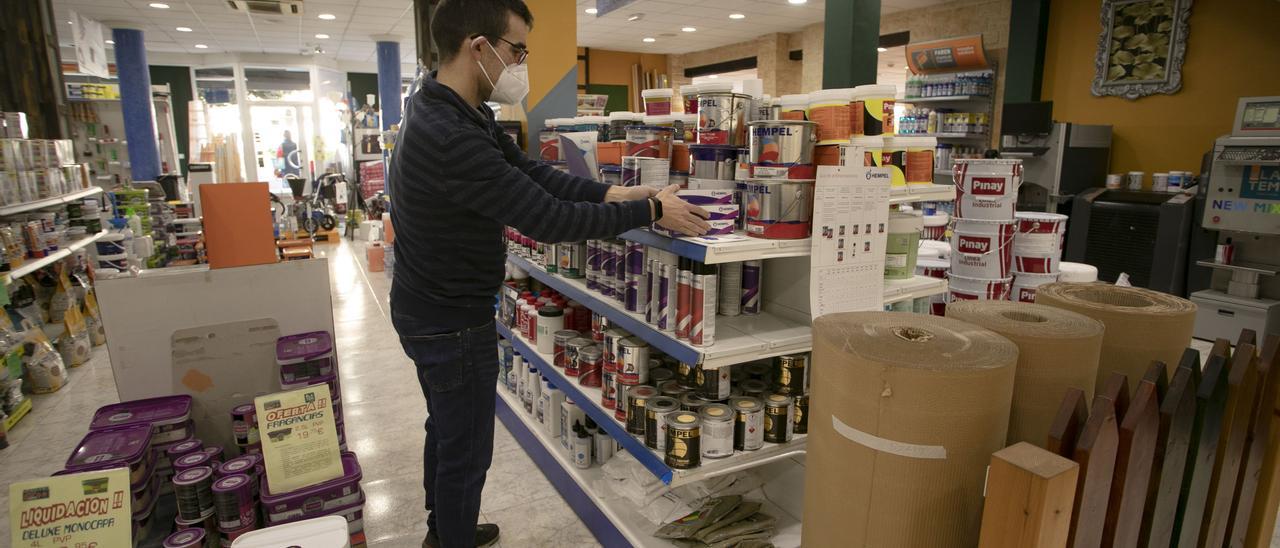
(934, 248)
(978, 289)
(722, 115)
(686, 127)
(1024, 285)
(874, 104)
(305, 357)
(659, 120)
(316, 500)
(620, 121)
(893, 155)
(935, 226)
(830, 109)
(873, 149)
(322, 532)
(111, 244)
(549, 145)
(657, 101)
(987, 188)
(118, 261)
(611, 175)
(598, 124)
(918, 159)
(794, 107)
(1078, 273)
(1039, 233)
(902, 245)
(933, 267)
(169, 417)
(982, 249)
(689, 94)
(649, 141)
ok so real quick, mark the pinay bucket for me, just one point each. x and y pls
(963, 288)
(782, 149)
(982, 249)
(1024, 285)
(987, 189)
(1037, 246)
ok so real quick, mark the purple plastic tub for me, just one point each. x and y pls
(181, 449)
(144, 492)
(317, 500)
(189, 538)
(335, 391)
(193, 460)
(169, 417)
(215, 456)
(126, 446)
(238, 465)
(353, 512)
(305, 357)
(233, 499)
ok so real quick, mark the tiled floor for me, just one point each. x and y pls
(384, 413)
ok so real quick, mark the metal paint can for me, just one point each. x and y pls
(608, 387)
(716, 162)
(560, 339)
(655, 425)
(668, 289)
(671, 388)
(599, 325)
(729, 293)
(800, 423)
(714, 383)
(692, 401)
(633, 361)
(233, 502)
(612, 339)
(778, 416)
(649, 141)
(244, 425)
(782, 149)
(754, 388)
(751, 284)
(791, 374)
(550, 257)
(659, 374)
(717, 430)
(778, 210)
(571, 350)
(573, 259)
(687, 374)
(608, 268)
(637, 398)
(722, 117)
(589, 366)
(748, 424)
(193, 491)
(683, 447)
(759, 370)
(593, 264)
(651, 272)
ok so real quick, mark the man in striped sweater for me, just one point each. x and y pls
(456, 180)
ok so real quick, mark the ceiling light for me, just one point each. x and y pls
(689, 29)
(796, 2)
(71, 22)
(882, 50)
(592, 11)
(737, 16)
(322, 36)
(327, 16)
(111, 42)
(184, 29)
(650, 40)
(159, 6)
(714, 76)
(201, 46)
(635, 17)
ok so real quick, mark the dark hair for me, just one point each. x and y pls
(458, 20)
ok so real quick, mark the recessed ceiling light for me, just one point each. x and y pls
(650, 40)
(796, 2)
(882, 50)
(689, 29)
(111, 42)
(327, 16)
(201, 46)
(322, 36)
(159, 6)
(71, 22)
(592, 11)
(737, 16)
(635, 17)
(184, 29)
(714, 76)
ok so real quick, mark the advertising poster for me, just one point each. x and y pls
(91, 47)
(82, 510)
(850, 220)
(949, 54)
(299, 439)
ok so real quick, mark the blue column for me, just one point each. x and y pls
(135, 101)
(389, 82)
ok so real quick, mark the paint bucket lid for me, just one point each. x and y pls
(594, 120)
(192, 476)
(658, 93)
(830, 96)
(874, 91)
(230, 483)
(715, 87)
(795, 100)
(1077, 273)
(690, 89)
(625, 116)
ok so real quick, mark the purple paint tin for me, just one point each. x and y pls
(169, 417)
(317, 500)
(143, 491)
(238, 465)
(244, 424)
(208, 524)
(215, 456)
(353, 512)
(126, 446)
(234, 503)
(305, 357)
(227, 538)
(193, 489)
(189, 538)
(191, 460)
(183, 448)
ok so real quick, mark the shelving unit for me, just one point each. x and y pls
(33, 265)
(946, 99)
(964, 136)
(913, 288)
(588, 398)
(721, 249)
(49, 202)
(923, 193)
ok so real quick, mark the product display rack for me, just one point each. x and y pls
(49, 202)
(33, 265)
(947, 99)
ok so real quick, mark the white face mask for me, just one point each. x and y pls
(512, 84)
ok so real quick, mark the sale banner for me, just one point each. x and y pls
(85, 510)
(299, 438)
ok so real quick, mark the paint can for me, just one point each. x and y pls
(649, 142)
(687, 375)
(759, 370)
(872, 109)
(610, 346)
(791, 374)
(778, 416)
(187, 538)
(748, 424)
(793, 107)
(872, 146)
(657, 102)
(1037, 245)
(689, 93)
(608, 386)
(620, 271)
(193, 490)
(717, 430)
(589, 367)
(234, 502)
(573, 259)
(683, 449)
(1077, 273)
(722, 115)
(655, 426)
(549, 145)
(637, 398)
(194, 445)
(672, 388)
(599, 324)
(982, 248)
(571, 350)
(608, 268)
(1025, 284)
(754, 388)
(633, 361)
(729, 290)
(778, 210)
(782, 149)
(593, 265)
(800, 422)
(621, 394)
(713, 162)
(714, 384)
(987, 188)
(195, 459)
(692, 401)
(560, 340)
(933, 267)
(935, 226)
(652, 275)
(620, 121)
(831, 110)
(964, 288)
(684, 294)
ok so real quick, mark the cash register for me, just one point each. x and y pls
(1243, 204)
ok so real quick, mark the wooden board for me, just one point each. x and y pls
(1030, 492)
(1242, 507)
(1138, 433)
(1221, 347)
(1242, 392)
(1064, 433)
(1096, 454)
(1247, 336)
(1157, 375)
(1211, 399)
(1116, 389)
(1177, 415)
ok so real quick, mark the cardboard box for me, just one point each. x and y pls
(237, 227)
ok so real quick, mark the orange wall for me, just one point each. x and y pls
(1233, 50)
(614, 68)
(553, 42)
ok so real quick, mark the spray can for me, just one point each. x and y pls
(684, 286)
(702, 330)
(666, 281)
(650, 295)
(593, 264)
(608, 268)
(752, 277)
(730, 290)
(620, 271)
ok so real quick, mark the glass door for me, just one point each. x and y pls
(280, 137)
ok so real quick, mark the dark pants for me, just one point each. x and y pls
(458, 371)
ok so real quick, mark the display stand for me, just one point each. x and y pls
(953, 56)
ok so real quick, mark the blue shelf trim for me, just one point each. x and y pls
(683, 248)
(603, 417)
(633, 323)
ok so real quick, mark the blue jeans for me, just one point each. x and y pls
(458, 371)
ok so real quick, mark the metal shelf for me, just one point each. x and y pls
(913, 288)
(36, 264)
(738, 339)
(923, 193)
(947, 99)
(588, 398)
(728, 248)
(49, 202)
(975, 136)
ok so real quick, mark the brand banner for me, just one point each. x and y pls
(86, 509)
(951, 54)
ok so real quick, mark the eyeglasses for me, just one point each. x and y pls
(522, 53)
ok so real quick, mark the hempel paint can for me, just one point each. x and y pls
(655, 427)
(748, 425)
(560, 340)
(683, 447)
(778, 417)
(637, 398)
(717, 430)
(800, 422)
(778, 210)
(715, 383)
(589, 367)
(573, 259)
(633, 361)
(791, 374)
(571, 351)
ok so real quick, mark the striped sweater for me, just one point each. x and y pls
(456, 179)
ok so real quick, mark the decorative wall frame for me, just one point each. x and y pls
(1141, 48)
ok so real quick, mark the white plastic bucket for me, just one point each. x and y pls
(1024, 285)
(982, 249)
(902, 246)
(1039, 232)
(657, 101)
(987, 189)
(1079, 273)
(1035, 263)
(963, 288)
(935, 249)
(932, 267)
(935, 226)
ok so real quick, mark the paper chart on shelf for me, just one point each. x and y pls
(850, 219)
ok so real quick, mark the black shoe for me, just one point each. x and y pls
(486, 535)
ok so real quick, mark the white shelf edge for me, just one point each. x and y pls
(37, 264)
(923, 193)
(916, 287)
(49, 202)
(946, 99)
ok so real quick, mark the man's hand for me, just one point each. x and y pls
(681, 216)
(628, 193)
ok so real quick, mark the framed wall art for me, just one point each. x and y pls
(1141, 48)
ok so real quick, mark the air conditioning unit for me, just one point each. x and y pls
(267, 7)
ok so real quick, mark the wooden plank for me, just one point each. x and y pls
(1030, 492)
(1221, 347)
(1262, 526)
(1096, 454)
(1138, 433)
(1247, 336)
(1177, 415)
(1156, 374)
(1242, 508)
(1064, 433)
(1242, 392)
(1211, 399)
(1116, 389)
